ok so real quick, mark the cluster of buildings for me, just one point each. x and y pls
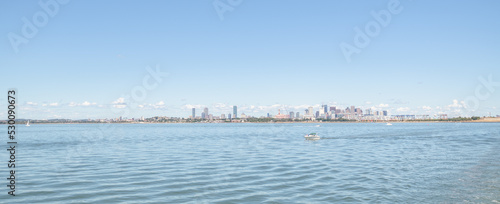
(205, 115)
(333, 113)
(324, 112)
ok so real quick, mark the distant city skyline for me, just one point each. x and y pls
(324, 112)
(120, 108)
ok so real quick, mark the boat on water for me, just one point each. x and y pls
(312, 136)
(389, 124)
(28, 123)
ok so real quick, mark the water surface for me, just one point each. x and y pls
(257, 163)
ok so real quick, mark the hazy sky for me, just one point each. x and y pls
(85, 59)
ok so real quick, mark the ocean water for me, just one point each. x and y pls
(256, 163)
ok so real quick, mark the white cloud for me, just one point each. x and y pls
(158, 105)
(119, 106)
(119, 103)
(428, 108)
(73, 104)
(31, 103)
(383, 105)
(368, 102)
(119, 100)
(53, 104)
(456, 104)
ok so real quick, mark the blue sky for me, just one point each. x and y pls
(263, 55)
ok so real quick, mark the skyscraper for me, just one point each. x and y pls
(325, 108)
(205, 110)
(368, 111)
(235, 112)
(333, 108)
(358, 111)
(194, 115)
(291, 115)
(297, 115)
(229, 116)
(310, 111)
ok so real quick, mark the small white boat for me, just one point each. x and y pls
(318, 125)
(389, 124)
(28, 123)
(312, 136)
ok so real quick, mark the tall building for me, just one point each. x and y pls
(223, 116)
(333, 109)
(235, 112)
(310, 111)
(317, 114)
(229, 116)
(203, 116)
(291, 115)
(338, 111)
(194, 115)
(358, 111)
(325, 108)
(368, 111)
(384, 113)
(205, 110)
(297, 115)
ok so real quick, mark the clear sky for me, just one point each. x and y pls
(87, 57)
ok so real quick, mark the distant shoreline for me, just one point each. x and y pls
(482, 120)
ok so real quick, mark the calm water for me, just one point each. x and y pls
(256, 163)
